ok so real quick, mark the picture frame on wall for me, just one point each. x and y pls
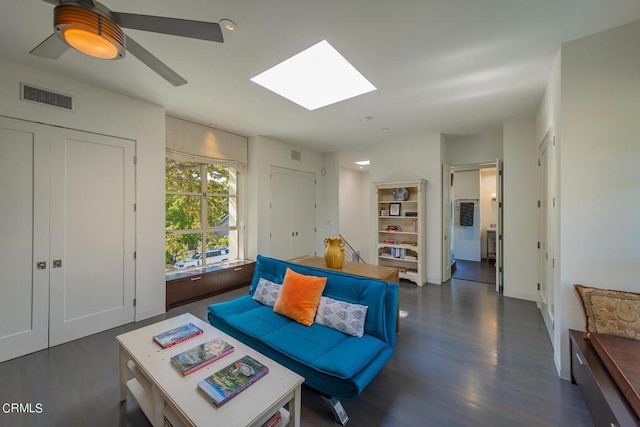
(394, 209)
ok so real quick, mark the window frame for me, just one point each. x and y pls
(233, 203)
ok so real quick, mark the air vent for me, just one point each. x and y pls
(295, 155)
(44, 96)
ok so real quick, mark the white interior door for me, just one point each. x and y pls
(499, 237)
(304, 210)
(92, 236)
(24, 224)
(281, 227)
(543, 254)
(446, 222)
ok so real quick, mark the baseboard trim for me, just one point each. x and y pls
(151, 313)
(520, 295)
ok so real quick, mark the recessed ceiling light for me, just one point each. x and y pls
(367, 118)
(385, 129)
(314, 78)
(228, 24)
(363, 163)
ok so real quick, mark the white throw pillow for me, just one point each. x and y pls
(267, 292)
(341, 315)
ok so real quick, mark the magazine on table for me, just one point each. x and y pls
(177, 335)
(202, 355)
(229, 381)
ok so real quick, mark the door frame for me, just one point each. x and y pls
(547, 246)
(499, 166)
(446, 222)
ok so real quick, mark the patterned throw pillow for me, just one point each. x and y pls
(343, 316)
(611, 312)
(267, 292)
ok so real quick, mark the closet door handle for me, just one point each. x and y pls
(41, 265)
(57, 263)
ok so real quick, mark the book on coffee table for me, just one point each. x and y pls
(177, 335)
(229, 381)
(200, 356)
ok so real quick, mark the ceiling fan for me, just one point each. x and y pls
(93, 29)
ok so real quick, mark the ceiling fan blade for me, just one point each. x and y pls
(176, 27)
(154, 63)
(57, 2)
(51, 47)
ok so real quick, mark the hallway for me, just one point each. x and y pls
(484, 271)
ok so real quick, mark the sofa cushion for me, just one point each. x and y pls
(343, 316)
(610, 311)
(345, 287)
(299, 297)
(318, 347)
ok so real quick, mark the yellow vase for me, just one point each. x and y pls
(334, 251)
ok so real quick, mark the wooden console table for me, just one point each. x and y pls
(386, 274)
(606, 403)
(192, 285)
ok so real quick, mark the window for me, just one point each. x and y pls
(201, 214)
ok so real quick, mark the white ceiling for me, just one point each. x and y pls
(440, 66)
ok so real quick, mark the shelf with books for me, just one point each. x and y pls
(279, 419)
(401, 242)
(397, 232)
(396, 245)
(388, 257)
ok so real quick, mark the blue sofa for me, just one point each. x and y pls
(332, 362)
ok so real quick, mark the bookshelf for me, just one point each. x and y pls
(400, 236)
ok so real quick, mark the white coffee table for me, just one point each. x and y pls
(162, 392)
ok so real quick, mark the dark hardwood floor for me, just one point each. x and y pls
(483, 271)
(465, 357)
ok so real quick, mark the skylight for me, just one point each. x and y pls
(314, 78)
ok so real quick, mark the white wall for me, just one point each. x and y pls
(265, 152)
(354, 210)
(600, 173)
(488, 207)
(418, 158)
(108, 113)
(466, 240)
(329, 201)
(520, 222)
(466, 150)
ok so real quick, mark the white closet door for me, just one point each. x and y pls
(305, 214)
(92, 234)
(281, 226)
(24, 222)
(293, 217)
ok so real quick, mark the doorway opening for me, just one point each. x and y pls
(472, 194)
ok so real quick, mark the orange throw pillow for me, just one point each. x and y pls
(300, 296)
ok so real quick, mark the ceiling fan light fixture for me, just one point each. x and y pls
(228, 24)
(89, 32)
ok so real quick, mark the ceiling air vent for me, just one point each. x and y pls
(295, 155)
(44, 96)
